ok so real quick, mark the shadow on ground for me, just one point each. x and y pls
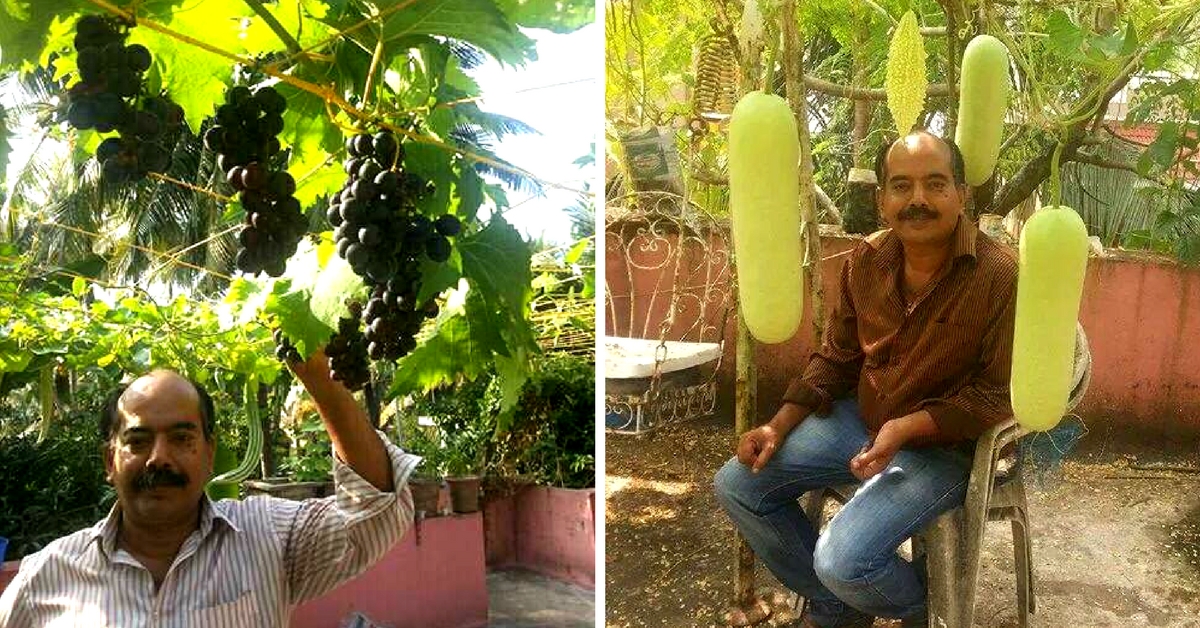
(1116, 538)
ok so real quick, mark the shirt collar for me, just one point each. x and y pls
(105, 531)
(889, 249)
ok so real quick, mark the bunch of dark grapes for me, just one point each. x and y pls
(384, 237)
(244, 138)
(347, 351)
(285, 351)
(107, 98)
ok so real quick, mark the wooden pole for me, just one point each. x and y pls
(746, 388)
(793, 51)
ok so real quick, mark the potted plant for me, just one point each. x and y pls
(426, 481)
(464, 456)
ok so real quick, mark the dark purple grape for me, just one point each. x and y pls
(447, 225)
(282, 184)
(438, 249)
(363, 145)
(137, 58)
(214, 139)
(108, 148)
(369, 170)
(237, 95)
(254, 177)
(234, 178)
(227, 116)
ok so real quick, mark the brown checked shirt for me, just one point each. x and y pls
(948, 352)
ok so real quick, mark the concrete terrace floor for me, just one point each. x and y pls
(523, 599)
(1116, 537)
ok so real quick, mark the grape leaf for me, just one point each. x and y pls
(496, 262)
(291, 297)
(450, 352)
(336, 283)
(437, 278)
(559, 16)
(479, 22)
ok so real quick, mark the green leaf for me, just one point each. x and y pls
(437, 278)
(577, 251)
(479, 22)
(1065, 37)
(496, 262)
(559, 16)
(1130, 43)
(335, 285)
(451, 351)
(1162, 151)
(291, 297)
(78, 286)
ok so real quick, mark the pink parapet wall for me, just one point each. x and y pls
(548, 530)
(434, 578)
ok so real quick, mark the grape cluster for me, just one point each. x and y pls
(285, 351)
(107, 99)
(384, 237)
(347, 351)
(244, 138)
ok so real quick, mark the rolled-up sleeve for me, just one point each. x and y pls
(328, 541)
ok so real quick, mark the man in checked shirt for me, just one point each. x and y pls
(914, 367)
(167, 556)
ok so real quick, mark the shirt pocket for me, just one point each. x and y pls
(953, 346)
(244, 611)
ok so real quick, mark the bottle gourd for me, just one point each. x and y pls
(1053, 260)
(764, 199)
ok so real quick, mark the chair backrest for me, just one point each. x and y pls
(668, 274)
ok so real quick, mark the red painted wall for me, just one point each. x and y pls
(548, 530)
(1142, 317)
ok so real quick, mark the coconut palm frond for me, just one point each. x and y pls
(469, 57)
(495, 123)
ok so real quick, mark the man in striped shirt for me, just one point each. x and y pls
(167, 556)
(915, 365)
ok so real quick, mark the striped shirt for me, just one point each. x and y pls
(248, 564)
(948, 351)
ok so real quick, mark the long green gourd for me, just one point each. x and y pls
(764, 199)
(1053, 260)
(254, 444)
(985, 89)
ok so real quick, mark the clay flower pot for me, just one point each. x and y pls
(425, 493)
(464, 493)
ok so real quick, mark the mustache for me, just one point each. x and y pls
(156, 477)
(917, 212)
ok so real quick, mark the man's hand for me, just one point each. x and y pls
(878, 454)
(894, 434)
(758, 445)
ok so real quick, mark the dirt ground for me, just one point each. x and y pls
(523, 599)
(1116, 538)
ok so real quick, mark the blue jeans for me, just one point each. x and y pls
(852, 569)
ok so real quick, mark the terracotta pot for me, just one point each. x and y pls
(464, 493)
(425, 493)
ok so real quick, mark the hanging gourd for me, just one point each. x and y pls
(764, 199)
(1053, 259)
(984, 86)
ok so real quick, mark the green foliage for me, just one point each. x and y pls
(310, 458)
(550, 436)
(67, 493)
